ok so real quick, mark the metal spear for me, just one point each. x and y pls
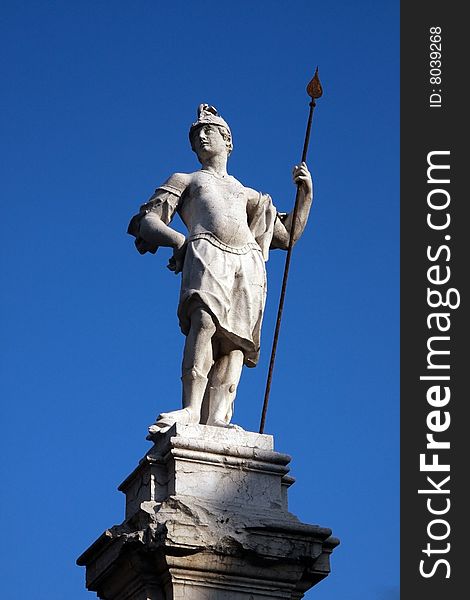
(314, 90)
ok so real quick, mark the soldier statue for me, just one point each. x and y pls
(231, 229)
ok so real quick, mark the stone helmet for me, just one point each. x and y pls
(208, 115)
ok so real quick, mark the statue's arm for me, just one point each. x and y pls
(284, 224)
(155, 233)
(150, 225)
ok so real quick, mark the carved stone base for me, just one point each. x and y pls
(207, 519)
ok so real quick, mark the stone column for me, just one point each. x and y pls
(207, 519)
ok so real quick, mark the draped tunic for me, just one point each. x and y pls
(228, 280)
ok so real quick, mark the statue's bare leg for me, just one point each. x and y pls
(224, 379)
(197, 362)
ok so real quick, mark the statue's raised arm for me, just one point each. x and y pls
(283, 226)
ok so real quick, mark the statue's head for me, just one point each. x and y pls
(209, 119)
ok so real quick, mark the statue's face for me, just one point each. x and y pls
(208, 141)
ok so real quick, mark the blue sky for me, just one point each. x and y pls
(98, 98)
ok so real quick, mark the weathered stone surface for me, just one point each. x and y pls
(207, 518)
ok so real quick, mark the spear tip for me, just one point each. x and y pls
(314, 88)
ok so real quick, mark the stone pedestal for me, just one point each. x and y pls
(207, 519)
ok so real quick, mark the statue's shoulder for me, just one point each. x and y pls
(251, 194)
(254, 197)
(179, 180)
(177, 183)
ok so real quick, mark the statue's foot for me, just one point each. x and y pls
(166, 420)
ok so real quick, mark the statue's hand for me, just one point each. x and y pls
(176, 262)
(301, 176)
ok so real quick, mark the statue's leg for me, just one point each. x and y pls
(197, 362)
(225, 376)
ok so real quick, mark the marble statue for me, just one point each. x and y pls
(231, 228)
